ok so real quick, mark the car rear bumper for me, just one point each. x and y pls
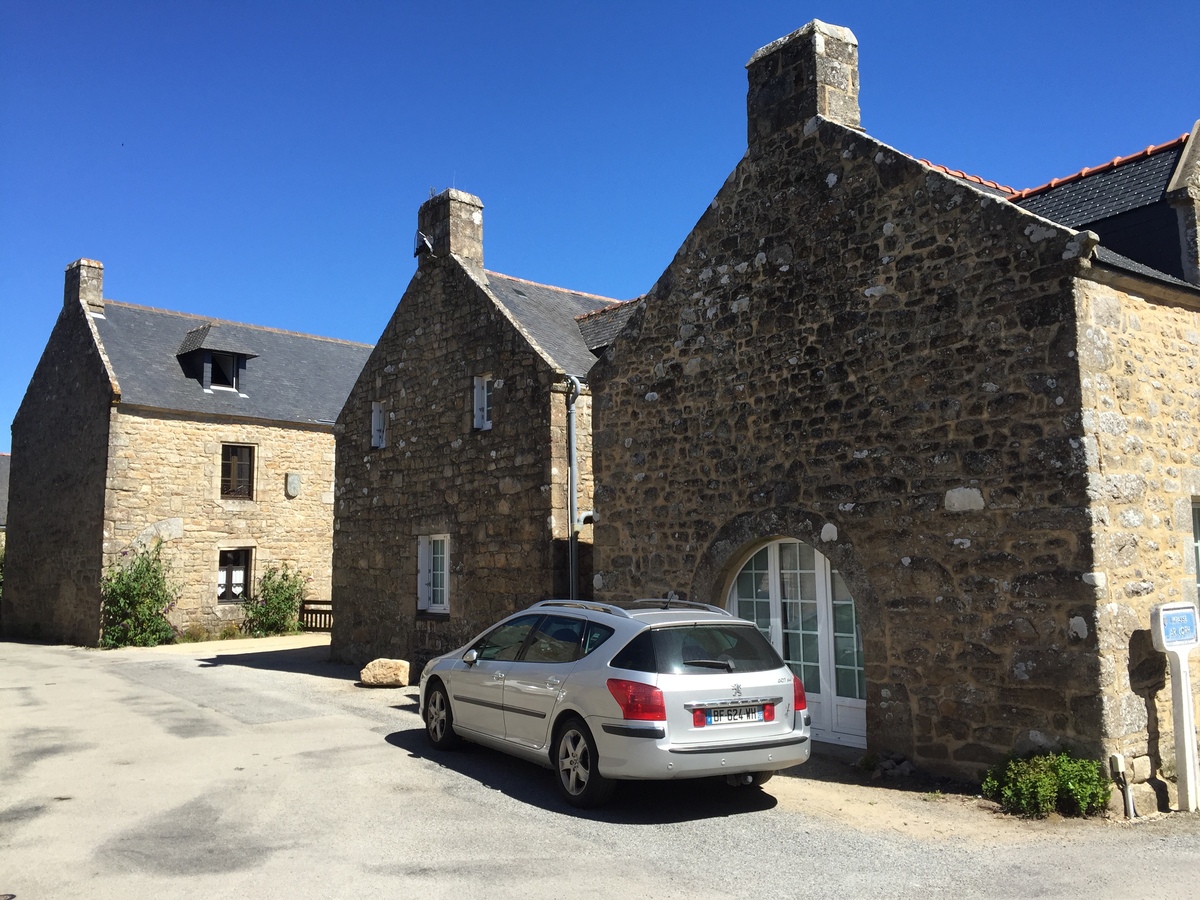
(645, 751)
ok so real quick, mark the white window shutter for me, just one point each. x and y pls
(424, 571)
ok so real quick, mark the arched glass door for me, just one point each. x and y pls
(801, 604)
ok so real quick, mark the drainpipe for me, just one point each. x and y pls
(573, 489)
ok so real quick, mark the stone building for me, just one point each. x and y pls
(939, 438)
(140, 424)
(454, 450)
(5, 464)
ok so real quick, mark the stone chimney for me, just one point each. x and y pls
(450, 224)
(84, 284)
(813, 71)
(1183, 193)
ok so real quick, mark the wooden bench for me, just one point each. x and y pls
(316, 615)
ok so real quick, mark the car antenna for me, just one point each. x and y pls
(671, 595)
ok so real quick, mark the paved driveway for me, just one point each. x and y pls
(255, 768)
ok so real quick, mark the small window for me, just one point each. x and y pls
(433, 573)
(225, 371)
(233, 575)
(378, 424)
(237, 471)
(483, 401)
(597, 634)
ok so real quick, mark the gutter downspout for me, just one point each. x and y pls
(573, 490)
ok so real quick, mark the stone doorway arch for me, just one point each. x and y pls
(776, 550)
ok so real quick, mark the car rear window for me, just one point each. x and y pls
(698, 649)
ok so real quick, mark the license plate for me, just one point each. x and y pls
(725, 716)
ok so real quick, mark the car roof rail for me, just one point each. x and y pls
(674, 603)
(582, 604)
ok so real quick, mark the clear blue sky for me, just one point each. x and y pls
(263, 162)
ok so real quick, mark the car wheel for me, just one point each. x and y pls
(576, 765)
(761, 778)
(439, 720)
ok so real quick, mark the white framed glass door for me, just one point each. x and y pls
(801, 604)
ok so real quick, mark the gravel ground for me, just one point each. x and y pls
(256, 768)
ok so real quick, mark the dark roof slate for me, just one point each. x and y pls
(1107, 192)
(210, 336)
(600, 328)
(1117, 261)
(293, 377)
(5, 464)
(547, 315)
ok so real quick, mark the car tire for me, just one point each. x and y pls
(439, 719)
(761, 778)
(576, 766)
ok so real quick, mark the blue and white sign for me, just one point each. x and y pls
(1173, 626)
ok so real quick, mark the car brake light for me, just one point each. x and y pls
(638, 700)
(799, 700)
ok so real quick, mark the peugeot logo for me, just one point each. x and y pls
(737, 690)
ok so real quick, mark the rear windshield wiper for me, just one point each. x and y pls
(726, 664)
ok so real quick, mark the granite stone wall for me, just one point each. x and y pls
(869, 356)
(56, 489)
(1140, 359)
(164, 481)
(498, 493)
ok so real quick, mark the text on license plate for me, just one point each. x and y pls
(724, 716)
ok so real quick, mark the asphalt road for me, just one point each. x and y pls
(257, 769)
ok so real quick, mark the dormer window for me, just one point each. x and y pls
(216, 356)
(224, 375)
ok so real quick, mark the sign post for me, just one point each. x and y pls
(1173, 627)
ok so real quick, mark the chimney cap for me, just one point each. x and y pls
(816, 26)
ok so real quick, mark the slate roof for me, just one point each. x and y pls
(1116, 260)
(547, 315)
(601, 327)
(292, 377)
(5, 463)
(1122, 185)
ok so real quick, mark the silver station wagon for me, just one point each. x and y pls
(654, 689)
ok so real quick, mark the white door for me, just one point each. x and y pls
(802, 606)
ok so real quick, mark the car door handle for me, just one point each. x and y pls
(499, 676)
(553, 681)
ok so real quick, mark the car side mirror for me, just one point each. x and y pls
(471, 656)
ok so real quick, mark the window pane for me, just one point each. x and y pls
(840, 591)
(698, 649)
(845, 653)
(808, 614)
(807, 558)
(789, 556)
(811, 676)
(843, 618)
(847, 683)
(504, 641)
(555, 640)
(808, 586)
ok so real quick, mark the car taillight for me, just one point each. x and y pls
(637, 700)
(699, 719)
(769, 712)
(799, 700)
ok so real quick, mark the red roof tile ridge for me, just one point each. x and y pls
(209, 320)
(553, 287)
(1087, 171)
(605, 309)
(973, 178)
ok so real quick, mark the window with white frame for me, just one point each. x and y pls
(1196, 543)
(483, 401)
(433, 573)
(378, 424)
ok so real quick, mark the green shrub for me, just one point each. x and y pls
(275, 608)
(1036, 786)
(135, 598)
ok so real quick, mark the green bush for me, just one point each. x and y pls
(1036, 786)
(275, 608)
(135, 598)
